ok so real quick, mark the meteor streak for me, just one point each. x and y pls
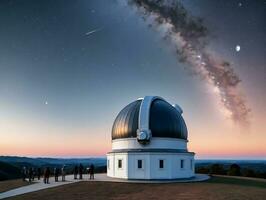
(93, 31)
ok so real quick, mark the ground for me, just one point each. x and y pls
(218, 188)
(11, 184)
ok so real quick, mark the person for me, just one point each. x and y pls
(33, 173)
(39, 173)
(30, 174)
(75, 172)
(88, 170)
(63, 172)
(80, 171)
(24, 173)
(92, 171)
(56, 174)
(48, 172)
(46, 175)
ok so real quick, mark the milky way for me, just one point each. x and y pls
(190, 38)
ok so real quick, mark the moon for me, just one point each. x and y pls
(237, 48)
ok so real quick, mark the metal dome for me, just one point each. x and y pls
(164, 120)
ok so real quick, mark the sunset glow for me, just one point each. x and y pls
(64, 77)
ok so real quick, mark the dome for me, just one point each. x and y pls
(163, 120)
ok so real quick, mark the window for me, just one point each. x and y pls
(191, 164)
(139, 164)
(182, 164)
(108, 164)
(119, 163)
(161, 164)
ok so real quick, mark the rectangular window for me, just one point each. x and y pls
(119, 163)
(161, 164)
(191, 164)
(139, 164)
(182, 164)
(108, 164)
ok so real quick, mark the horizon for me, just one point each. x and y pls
(104, 157)
(68, 68)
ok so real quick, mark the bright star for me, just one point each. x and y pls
(237, 48)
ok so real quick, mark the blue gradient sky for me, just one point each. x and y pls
(45, 56)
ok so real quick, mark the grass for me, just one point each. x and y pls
(237, 181)
(218, 188)
(12, 184)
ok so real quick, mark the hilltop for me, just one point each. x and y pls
(218, 188)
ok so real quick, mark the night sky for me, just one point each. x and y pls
(68, 67)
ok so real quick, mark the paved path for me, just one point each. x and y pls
(39, 185)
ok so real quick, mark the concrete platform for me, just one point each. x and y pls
(39, 185)
(196, 178)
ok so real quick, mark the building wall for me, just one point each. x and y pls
(157, 142)
(150, 162)
(112, 168)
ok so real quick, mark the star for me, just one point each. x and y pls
(237, 48)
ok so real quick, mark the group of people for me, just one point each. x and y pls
(78, 170)
(30, 173)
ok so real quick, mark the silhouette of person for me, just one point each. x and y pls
(92, 171)
(24, 173)
(63, 172)
(75, 172)
(33, 173)
(30, 174)
(56, 174)
(80, 171)
(88, 170)
(39, 173)
(46, 175)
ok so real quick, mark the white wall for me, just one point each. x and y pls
(114, 170)
(151, 170)
(157, 143)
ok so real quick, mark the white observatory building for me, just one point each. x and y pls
(149, 141)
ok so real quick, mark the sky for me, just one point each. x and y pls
(68, 67)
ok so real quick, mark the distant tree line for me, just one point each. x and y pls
(233, 170)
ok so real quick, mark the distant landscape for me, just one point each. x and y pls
(10, 166)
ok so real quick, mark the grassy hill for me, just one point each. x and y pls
(8, 171)
(218, 188)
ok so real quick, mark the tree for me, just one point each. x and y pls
(234, 170)
(203, 170)
(248, 172)
(217, 169)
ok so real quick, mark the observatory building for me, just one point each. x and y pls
(149, 141)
